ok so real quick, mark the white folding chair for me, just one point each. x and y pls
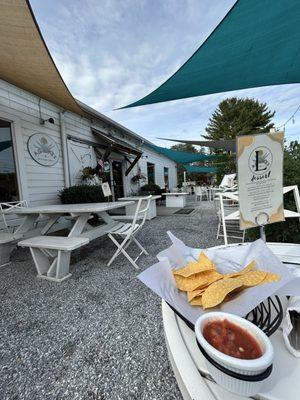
(227, 205)
(128, 231)
(290, 213)
(201, 191)
(228, 212)
(10, 206)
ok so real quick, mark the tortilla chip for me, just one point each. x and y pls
(250, 267)
(194, 267)
(196, 281)
(270, 277)
(253, 278)
(217, 291)
(195, 293)
(197, 301)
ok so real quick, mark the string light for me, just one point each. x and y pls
(292, 118)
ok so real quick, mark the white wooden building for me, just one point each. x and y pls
(37, 109)
(77, 140)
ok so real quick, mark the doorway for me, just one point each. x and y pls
(117, 179)
(8, 175)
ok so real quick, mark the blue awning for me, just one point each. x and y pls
(200, 169)
(182, 157)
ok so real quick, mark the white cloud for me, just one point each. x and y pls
(113, 52)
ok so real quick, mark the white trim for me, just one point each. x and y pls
(18, 150)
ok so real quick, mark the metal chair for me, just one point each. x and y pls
(201, 191)
(10, 206)
(229, 214)
(128, 231)
(227, 205)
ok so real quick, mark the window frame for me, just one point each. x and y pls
(18, 152)
(152, 165)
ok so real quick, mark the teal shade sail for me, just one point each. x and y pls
(182, 157)
(200, 169)
(256, 44)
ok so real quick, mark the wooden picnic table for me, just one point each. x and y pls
(80, 228)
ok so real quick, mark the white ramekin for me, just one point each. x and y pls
(239, 366)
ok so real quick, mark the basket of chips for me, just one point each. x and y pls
(207, 288)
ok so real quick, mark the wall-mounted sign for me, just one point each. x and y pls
(260, 166)
(106, 189)
(43, 149)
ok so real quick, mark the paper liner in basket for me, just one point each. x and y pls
(159, 277)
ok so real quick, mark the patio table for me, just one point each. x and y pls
(175, 199)
(131, 208)
(189, 364)
(80, 215)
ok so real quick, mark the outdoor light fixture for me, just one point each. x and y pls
(50, 120)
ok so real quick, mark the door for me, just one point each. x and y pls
(81, 155)
(117, 176)
(8, 175)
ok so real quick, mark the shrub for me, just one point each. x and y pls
(151, 188)
(82, 194)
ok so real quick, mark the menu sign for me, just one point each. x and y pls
(260, 163)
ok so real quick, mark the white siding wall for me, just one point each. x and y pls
(40, 184)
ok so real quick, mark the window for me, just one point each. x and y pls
(151, 173)
(166, 177)
(8, 177)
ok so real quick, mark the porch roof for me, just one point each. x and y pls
(25, 59)
(117, 144)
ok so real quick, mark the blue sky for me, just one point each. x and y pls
(112, 52)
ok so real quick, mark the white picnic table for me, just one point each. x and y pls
(80, 229)
(175, 199)
(189, 365)
(131, 208)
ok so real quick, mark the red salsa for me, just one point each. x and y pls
(231, 339)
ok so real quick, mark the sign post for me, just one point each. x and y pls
(260, 179)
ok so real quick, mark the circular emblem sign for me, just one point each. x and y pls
(260, 160)
(43, 149)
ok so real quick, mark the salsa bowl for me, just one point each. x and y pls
(241, 376)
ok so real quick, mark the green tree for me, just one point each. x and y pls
(235, 116)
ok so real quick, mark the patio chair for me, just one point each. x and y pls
(227, 205)
(228, 213)
(128, 231)
(9, 225)
(201, 191)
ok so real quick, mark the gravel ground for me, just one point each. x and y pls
(98, 335)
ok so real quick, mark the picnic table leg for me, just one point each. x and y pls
(41, 262)
(79, 225)
(62, 266)
(27, 224)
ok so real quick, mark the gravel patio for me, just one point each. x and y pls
(99, 334)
